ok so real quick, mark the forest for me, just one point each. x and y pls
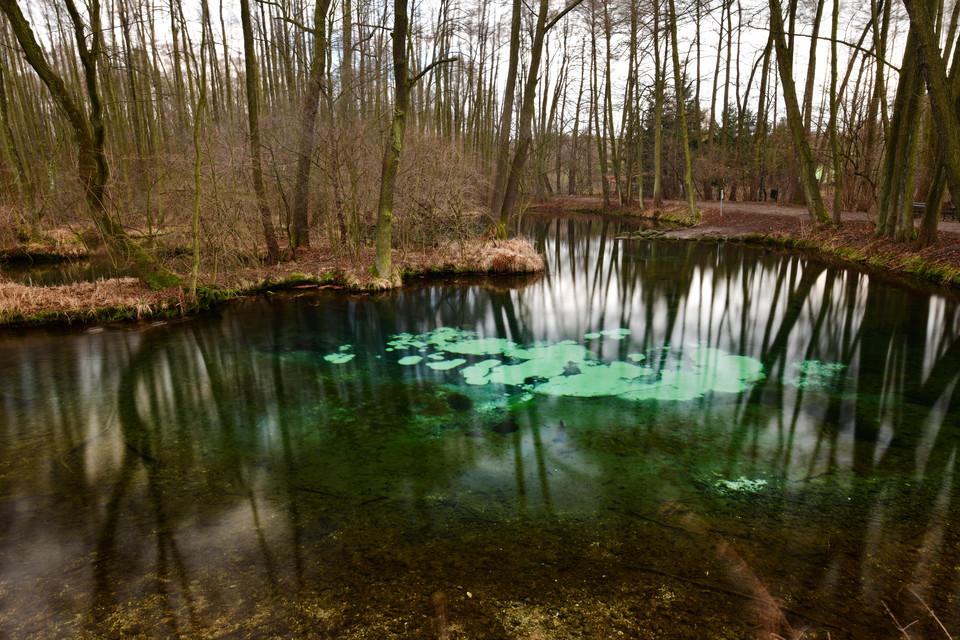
(192, 137)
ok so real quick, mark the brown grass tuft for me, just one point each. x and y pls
(511, 256)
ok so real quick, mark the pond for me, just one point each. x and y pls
(654, 440)
(47, 273)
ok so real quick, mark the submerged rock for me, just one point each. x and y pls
(506, 427)
(459, 402)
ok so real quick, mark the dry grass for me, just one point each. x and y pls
(82, 298)
(476, 256)
(502, 256)
(128, 297)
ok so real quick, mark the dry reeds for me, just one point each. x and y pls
(129, 298)
(516, 255)
(17, 300)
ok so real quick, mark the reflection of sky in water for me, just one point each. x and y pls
(807, 413)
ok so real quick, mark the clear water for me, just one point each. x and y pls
(655, 440)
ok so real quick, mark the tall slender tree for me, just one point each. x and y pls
(808, 179)
(299, 223)
(682, 115)
(253, 124)
(88, 130)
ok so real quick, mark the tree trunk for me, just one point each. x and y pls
(760, 134)
(681, 110)
(199, 108)
(659, 86)
(595, 108)
(575, 135)
(299, 220)
(834, 125)
(512, 192)
(808, 178)
(812, 69)
(943, 100)
(927, 233)
(253, 122)
(506, 114)
(88, 134)
(895, 196)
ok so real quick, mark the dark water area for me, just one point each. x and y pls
(54, 273)
(654, 440)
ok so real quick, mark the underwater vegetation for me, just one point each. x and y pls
(572, 369)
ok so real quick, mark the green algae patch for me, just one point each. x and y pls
(477, 346)
(341, 356)
(476, 374)
(595, 380)
(541, 362)
(740, 485)
(616, 334)
(569, 369)
(724, 372)
(815, 374)
(445, 365)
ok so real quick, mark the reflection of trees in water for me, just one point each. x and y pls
(883, 434)
(234, 425)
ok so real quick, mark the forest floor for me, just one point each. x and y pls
(853, 242)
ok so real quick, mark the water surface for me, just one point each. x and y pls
(655, 440)
(45, 273)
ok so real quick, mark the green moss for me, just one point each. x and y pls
(95, 315)
(850, 253)
(680, 217)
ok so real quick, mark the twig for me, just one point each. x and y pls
(896, 622)
(930, 611)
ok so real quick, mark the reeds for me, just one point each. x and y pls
(516, 255)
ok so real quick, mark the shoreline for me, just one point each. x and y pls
(126, 299)
(852, 244)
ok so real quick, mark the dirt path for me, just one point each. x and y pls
(739, 218)
(760, 210)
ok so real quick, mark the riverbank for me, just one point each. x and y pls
(128, 299)
(773, 224)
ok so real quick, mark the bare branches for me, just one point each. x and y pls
(428, 68)
(570, 7)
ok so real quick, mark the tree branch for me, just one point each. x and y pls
(413, 81)
(287, 18)
(849, 45)
(559, 16)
